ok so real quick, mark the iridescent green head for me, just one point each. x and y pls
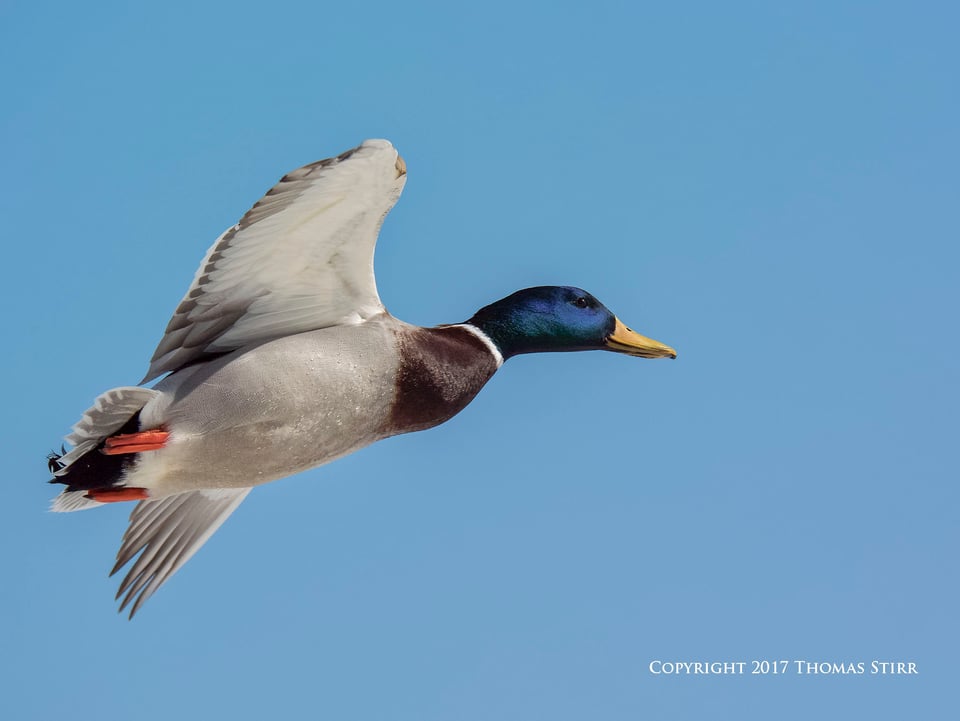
(560, 318)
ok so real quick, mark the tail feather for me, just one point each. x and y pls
(72, 501)
(83, 467)
(60, 463)
(110, 411)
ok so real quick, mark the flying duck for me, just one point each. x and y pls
(281, 358)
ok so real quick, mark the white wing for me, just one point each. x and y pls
(299, 260)
(169, 532)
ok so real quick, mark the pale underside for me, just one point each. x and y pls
(276, 409)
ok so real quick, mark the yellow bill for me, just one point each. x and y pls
(624, 340)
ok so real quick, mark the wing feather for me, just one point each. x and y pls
(166, 533)
(299, 260)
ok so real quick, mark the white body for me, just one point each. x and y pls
(270, 411)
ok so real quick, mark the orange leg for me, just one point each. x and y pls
(114, 495)
(135, 442)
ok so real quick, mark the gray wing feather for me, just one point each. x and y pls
(166, 533)
(301, 259)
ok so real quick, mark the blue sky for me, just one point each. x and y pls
(771, 188)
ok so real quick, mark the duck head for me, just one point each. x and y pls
(560, 318)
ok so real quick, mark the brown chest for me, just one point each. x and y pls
(441, 370)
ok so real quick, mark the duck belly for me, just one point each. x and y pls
(270, 411)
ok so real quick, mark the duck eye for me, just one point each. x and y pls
(580, 302)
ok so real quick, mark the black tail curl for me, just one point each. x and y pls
(93, 469)
(53, 462)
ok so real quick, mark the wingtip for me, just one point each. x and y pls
(164, 534)
(381, 145)
(376, 143)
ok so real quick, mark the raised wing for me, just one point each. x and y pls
(166, 533)
(299, 260)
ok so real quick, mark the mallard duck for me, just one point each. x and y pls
(281, 358)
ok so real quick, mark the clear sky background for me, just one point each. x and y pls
(772, 188)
